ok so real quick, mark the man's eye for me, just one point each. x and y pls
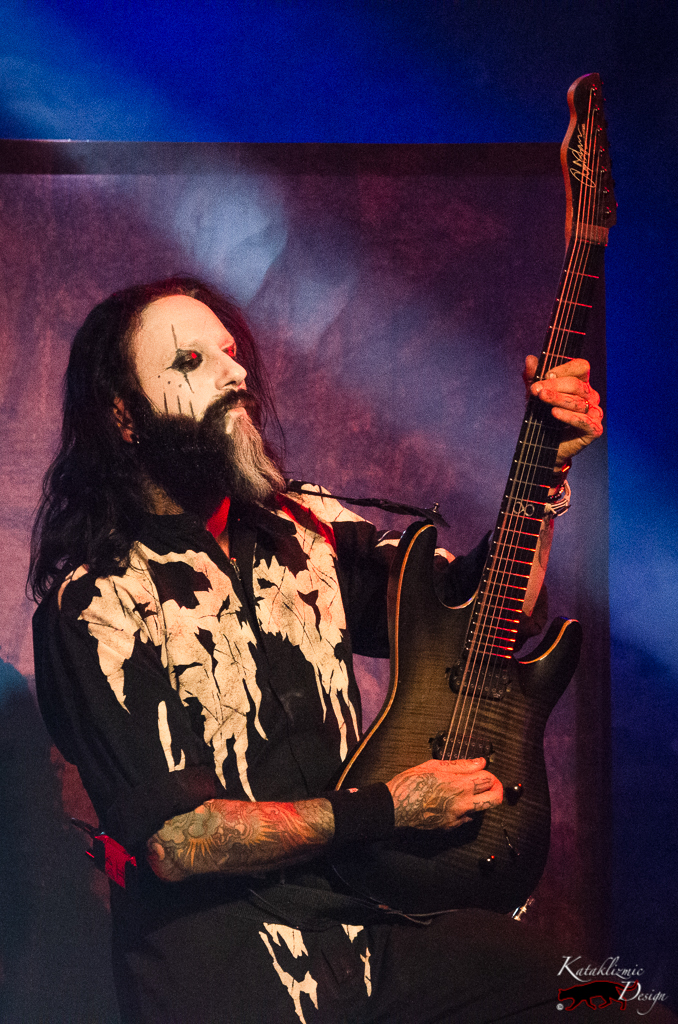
(232, 350)
(186, 359)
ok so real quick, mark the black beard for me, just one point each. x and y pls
(198, 464)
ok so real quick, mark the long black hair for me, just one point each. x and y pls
(93, 492)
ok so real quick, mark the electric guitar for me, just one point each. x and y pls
(455, 689)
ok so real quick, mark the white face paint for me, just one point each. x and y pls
(185, 358)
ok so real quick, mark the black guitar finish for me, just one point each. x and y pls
(455, 690)
(495, 861)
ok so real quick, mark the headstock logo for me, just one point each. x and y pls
(580, 168)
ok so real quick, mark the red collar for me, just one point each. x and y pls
(217, 522)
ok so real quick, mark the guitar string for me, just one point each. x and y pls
(507, 551)
(527, 482)
(569, 305)
(554, 352)
(561, 339)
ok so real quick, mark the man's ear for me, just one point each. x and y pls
(124, 421)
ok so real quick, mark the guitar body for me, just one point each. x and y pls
(495, 861)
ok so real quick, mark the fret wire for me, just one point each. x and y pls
(499, 589)
(510, 632)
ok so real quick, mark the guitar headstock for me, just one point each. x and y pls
(585, 158)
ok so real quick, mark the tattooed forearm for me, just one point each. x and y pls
(236, 837)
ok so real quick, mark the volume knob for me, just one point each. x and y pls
(512, 794)
(487, 864)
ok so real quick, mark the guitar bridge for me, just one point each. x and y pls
(443, 749)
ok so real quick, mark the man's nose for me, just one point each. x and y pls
(231, 373)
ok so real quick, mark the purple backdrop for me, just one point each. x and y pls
(395, 290)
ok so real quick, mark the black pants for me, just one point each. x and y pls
(238, 964)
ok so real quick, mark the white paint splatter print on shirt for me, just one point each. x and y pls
(305, 608)
(233, 661)
(166, 740)
(294, 941)
(214, 664)
(113, 620)
(353, 930)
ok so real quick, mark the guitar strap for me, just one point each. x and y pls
(385, 504)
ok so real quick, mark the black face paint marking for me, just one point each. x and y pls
(185, 360)
(164, 395)
(184, 371)
(179, 403)
(192, 413)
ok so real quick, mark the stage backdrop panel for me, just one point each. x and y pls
(395, 291)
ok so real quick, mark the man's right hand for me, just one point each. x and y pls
(443, 794)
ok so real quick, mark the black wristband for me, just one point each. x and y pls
(362, 815)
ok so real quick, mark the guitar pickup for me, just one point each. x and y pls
(493, 686)
(454, 750)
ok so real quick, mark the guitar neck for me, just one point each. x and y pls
(590, 212)
(493, 628)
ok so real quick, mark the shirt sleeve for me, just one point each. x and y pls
(108, 703)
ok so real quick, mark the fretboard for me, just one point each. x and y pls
(493, 628)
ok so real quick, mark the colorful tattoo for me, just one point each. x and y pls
(236, 837)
